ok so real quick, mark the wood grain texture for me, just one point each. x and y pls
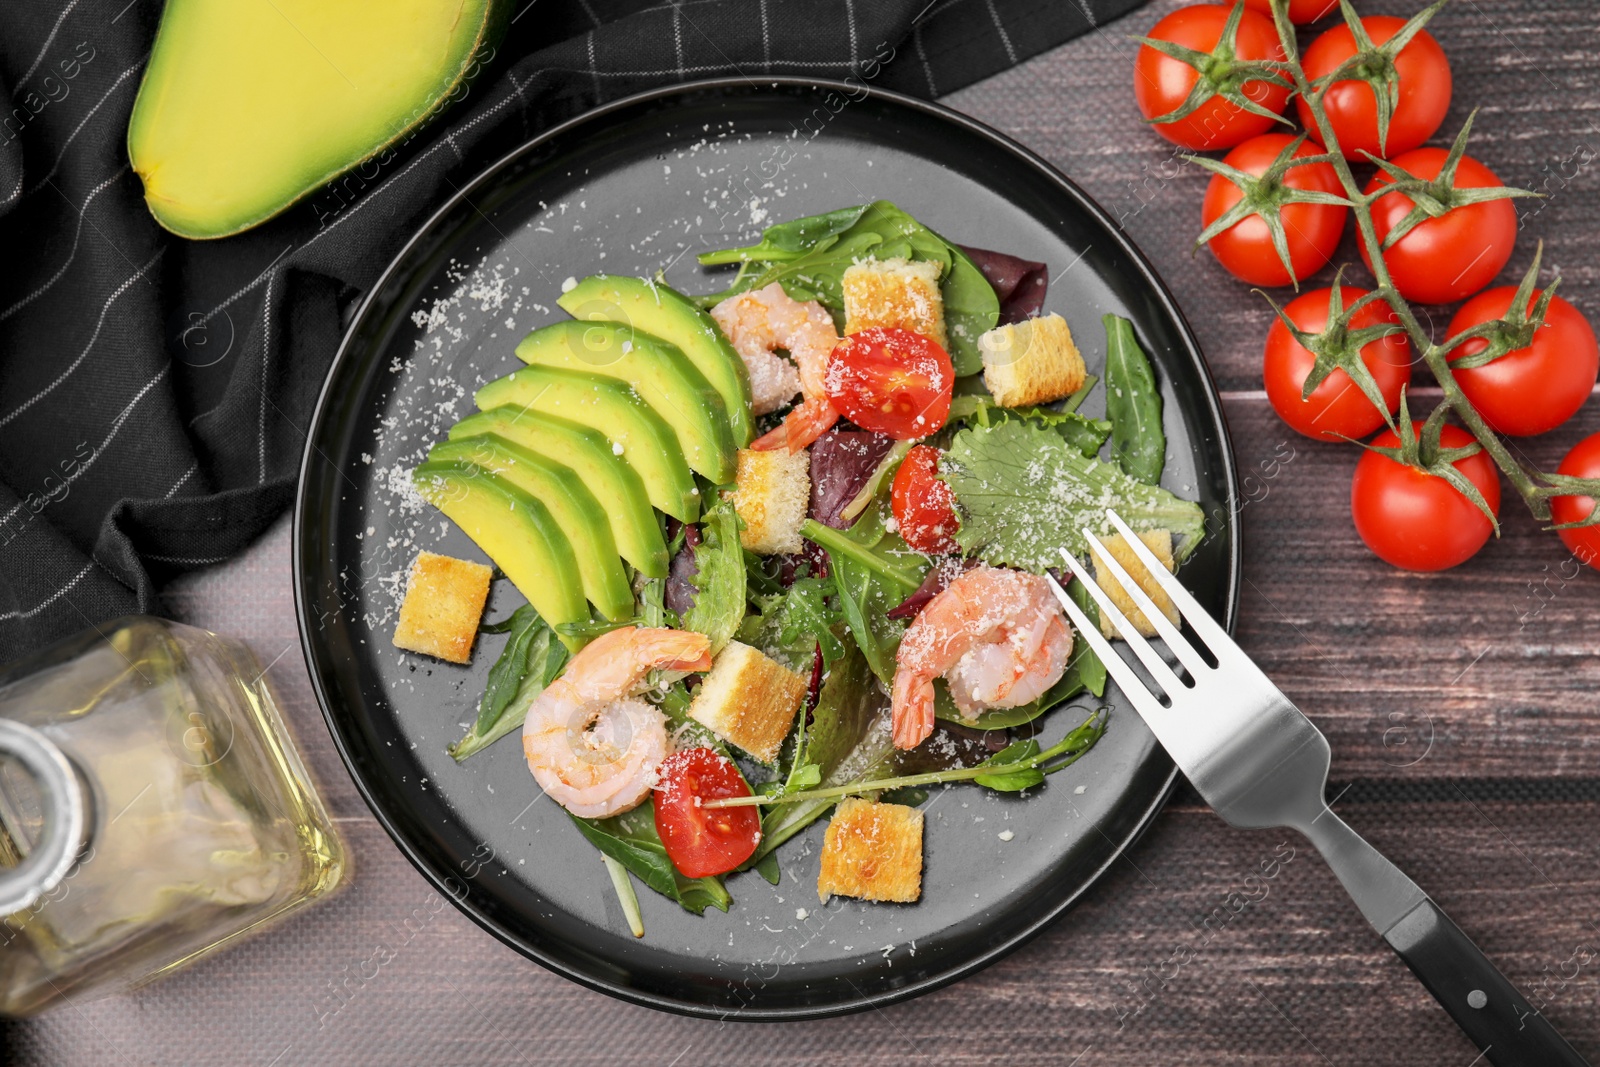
(1469, 695)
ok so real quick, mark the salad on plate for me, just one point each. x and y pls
(783, 549)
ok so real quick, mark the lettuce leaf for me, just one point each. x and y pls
(1024, 493)
(720, 582)
(1080, 431)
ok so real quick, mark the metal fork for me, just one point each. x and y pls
(1259, 762)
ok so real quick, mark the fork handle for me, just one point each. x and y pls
(1478, 997)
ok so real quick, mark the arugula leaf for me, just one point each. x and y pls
(849, 739)
(789, 625)
(872, 570)
(1024, 493)
(1079, 431)
(720, 601)
(631, 840)
(971, 309)
(1133, 404)
(531, 660)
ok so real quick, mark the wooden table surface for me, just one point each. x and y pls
(1461, 708)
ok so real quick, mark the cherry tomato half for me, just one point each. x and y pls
(1311, 231)
(1299, 10)
(1337, 408)
(1417, 521)
(891, 381)
(1451, 257)
(1535, 389)
(704, 841)
(1351, 109)
(924, 507)
(1161, 83)
(1582, 462)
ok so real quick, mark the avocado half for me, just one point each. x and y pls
(248, 106)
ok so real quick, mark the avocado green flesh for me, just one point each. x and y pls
(571, 505)
(514, 530)
(646, 442)
(659, 372)
(634, 527)
(246, 107)
(664, 313)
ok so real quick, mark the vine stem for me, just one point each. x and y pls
(1435, 356)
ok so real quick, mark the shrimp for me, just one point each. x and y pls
(761, 320)
(997, 636)
(589, 744)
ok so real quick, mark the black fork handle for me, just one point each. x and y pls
(1478, 997)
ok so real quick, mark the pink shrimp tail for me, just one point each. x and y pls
(913, 709)
(809, 420)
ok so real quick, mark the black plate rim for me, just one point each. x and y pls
(859, 1001)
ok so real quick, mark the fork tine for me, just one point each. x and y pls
(1147, 655)
(1169, 633)
(1132, 686)
(1200, 621)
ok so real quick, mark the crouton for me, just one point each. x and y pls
(748, 700)
(872, 851)
(442, 606)
(894, 292)
(1031, 362)
(771, 493)
(1158, 542)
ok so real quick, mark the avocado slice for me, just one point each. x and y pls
(659, 372)
(514, 530)
(637, 433)
(674, 318)
(571, 505)
(246, 108)
(634, 526)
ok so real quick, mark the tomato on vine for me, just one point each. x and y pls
(1584, 541)
(1416, 520)
(1338, 407)
(1262, 174)
(1397, 53)
(1439, 260)
(1534, 389)
(1201, 79)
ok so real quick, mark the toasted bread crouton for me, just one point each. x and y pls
(748, 700)
(1031, 362)
(872, 851)
(894, 292)
(771, 493)
(1158, 542)
(443, 604)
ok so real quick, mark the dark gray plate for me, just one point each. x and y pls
(637, 187)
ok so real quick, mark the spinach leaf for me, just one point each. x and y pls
(1133, 404)
(971, 309)
(631, 840)
(1024, 493)
(720, 601)
(849, 739)
(1079, 431)
(531, 660)
(788, 239)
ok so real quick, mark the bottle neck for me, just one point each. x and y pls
(64, 807)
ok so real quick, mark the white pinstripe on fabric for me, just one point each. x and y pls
(48, 41)
(57, 595)
(77, 234)
(1005, 38)
(121, 78)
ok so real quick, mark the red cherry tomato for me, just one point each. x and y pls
(1417, 521)
(891, 381)
(1311, 231)
(1351, 109)
(924, 507)
(1582, 462)
(1161, 83)
(1299, 10)
(1451, 257)
(1535, 389)
(1337, 408)
(702, 841)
